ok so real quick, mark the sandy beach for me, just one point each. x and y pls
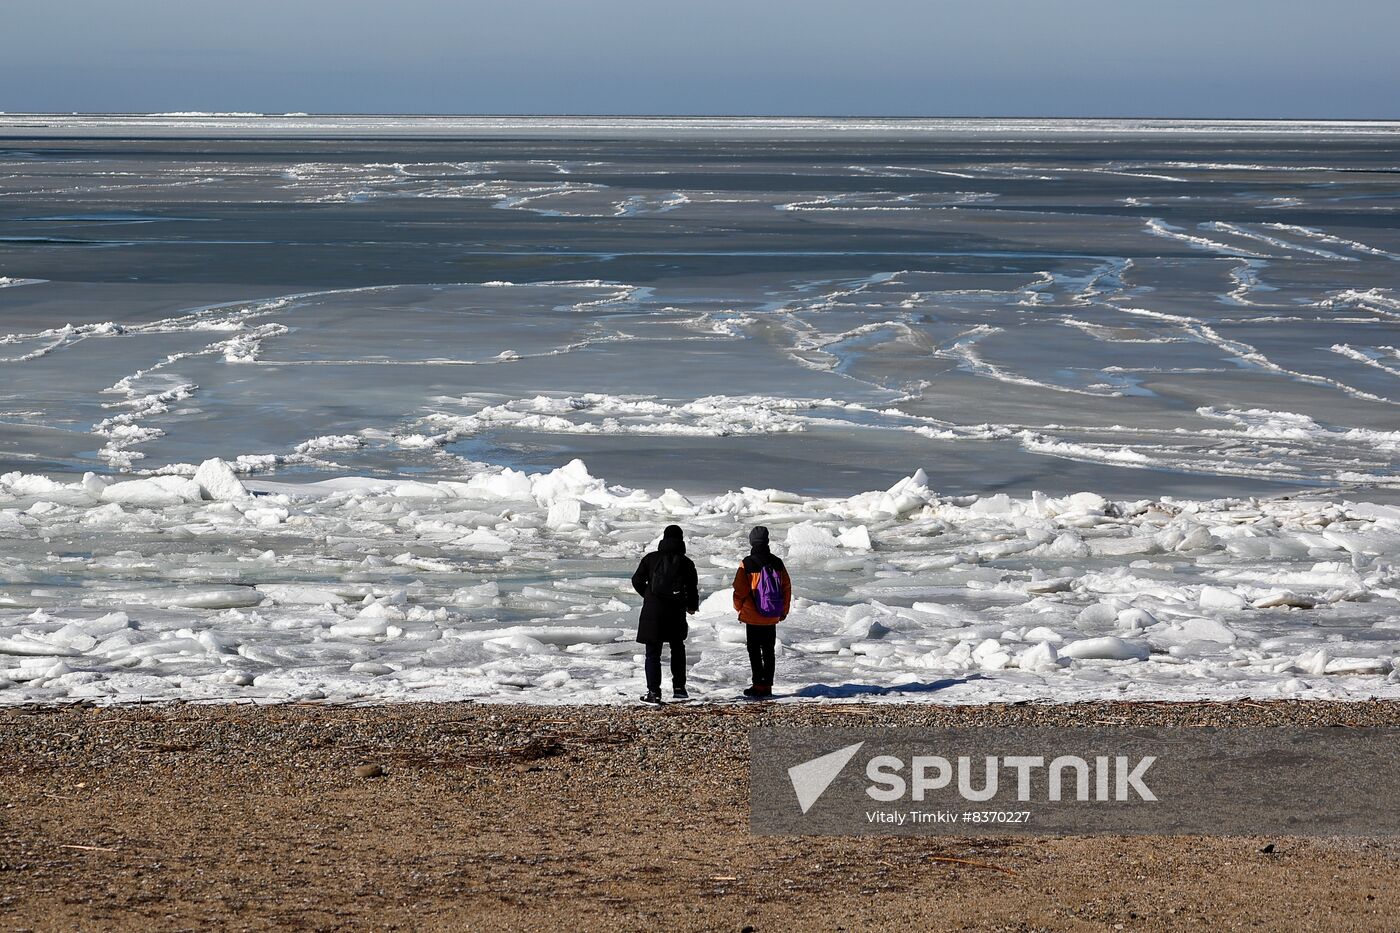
(537, 818)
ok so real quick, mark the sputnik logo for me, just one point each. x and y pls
(811, 778)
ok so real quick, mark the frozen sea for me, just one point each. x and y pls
(386, 408)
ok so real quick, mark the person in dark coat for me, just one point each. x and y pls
(669, 586)
(760, 630)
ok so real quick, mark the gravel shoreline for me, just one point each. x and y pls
(474, 816)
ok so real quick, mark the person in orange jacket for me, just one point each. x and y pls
(762, 597)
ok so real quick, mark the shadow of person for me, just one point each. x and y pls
(846, 691)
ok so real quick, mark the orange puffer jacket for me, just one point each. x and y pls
(745, 602)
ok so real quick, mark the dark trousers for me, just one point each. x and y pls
(653, 665)
(761, 639)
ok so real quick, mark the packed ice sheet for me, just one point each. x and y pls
(503, 585)
(1018, 373)
(1137, 308)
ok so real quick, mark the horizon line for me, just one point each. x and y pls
(692, 116)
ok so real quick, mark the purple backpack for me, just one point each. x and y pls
(768, 593)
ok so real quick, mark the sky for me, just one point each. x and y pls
(1167, 58)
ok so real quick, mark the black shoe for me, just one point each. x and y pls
(680, 693)
(754, 691)
(652, 696)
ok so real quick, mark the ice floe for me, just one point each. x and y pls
(505, 585)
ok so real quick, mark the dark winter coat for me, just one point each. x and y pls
(663, 617)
